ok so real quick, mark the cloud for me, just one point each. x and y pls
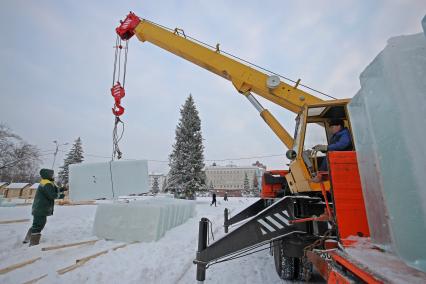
(58, 57)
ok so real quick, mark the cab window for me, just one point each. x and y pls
(315, 135)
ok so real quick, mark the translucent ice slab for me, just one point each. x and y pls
(388, 117)
(107, 180)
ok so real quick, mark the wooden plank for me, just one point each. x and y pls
(87, 258)
(18, 265)
(88, 202)
(124, 245)
(82, 261)
(23, 204)
(69, 268)
(119, 247)
(63, 202)
(69, 245)
(35, 279)
(14, 221)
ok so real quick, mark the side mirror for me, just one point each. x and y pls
(291, 155)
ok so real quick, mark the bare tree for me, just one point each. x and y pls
(19, 161)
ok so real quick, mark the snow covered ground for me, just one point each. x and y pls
(168, 260)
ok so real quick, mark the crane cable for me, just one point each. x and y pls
(118, 110)
(118, 92)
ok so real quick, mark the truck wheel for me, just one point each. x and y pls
(289, 266)
(277, 256)
(304, 272)
(284, 265)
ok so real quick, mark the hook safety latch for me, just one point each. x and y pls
(117, 91)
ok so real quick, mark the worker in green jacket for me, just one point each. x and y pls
(43, 204)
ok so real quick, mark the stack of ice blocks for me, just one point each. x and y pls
(143, 220)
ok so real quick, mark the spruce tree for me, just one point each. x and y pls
(255, 190)
(246, 184)
(74, 156)
(155, 186)
(186, 161)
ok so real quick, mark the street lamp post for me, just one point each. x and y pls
(56, 152)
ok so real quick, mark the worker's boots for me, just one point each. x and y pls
(27, 237)
(35, 239)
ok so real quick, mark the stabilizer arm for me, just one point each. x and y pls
(271, 223)
(246, 213)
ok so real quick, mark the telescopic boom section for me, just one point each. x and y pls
(245, 78)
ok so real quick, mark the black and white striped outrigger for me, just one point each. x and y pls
(262, 226)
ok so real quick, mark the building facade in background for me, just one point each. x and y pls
(231, 179)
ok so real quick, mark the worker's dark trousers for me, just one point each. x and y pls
(38, 224)
(324, 165)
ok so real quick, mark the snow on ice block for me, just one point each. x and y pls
(107, 180)
(142, 220)
(388, 118)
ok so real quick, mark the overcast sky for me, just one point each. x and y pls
(57, 63)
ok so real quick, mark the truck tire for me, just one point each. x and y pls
(289, 267)
(285, 266)
(304, 272)
(277, 256)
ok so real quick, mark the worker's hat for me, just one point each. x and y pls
(46, 173)
(336, 121)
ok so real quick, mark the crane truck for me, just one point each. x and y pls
(305, 216)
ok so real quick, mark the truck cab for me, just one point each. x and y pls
(312, 128)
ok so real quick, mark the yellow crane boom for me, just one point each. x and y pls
(245, 78)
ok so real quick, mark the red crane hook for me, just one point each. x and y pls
(117, 91)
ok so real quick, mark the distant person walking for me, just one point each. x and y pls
(225, 196)
(213, 199)
(43, 204)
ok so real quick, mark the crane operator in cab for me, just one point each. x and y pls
(340, 141)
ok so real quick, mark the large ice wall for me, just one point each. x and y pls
(143, 220)
(424, 24)
(388, 117)
(107, 180)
